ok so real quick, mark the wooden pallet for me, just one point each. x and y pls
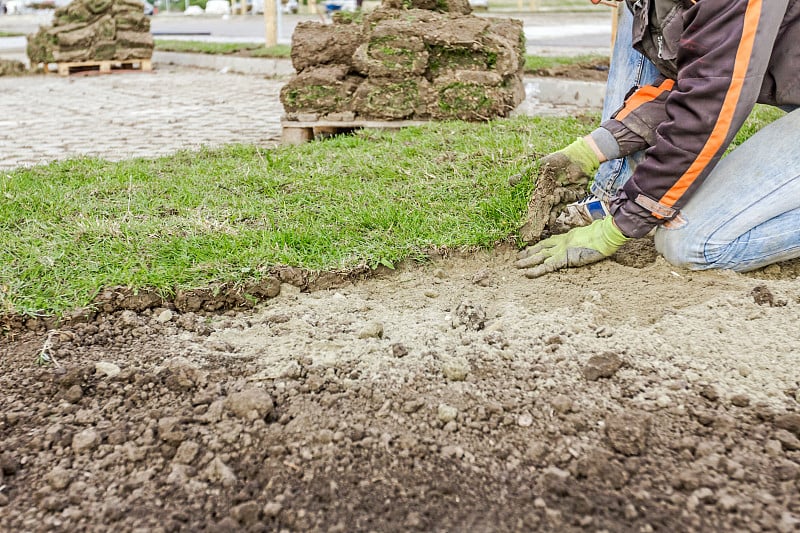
(104, 67)
(299, 132)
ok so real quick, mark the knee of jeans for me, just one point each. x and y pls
(680, 249)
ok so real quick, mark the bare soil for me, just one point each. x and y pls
(596, 70)
(451, 396)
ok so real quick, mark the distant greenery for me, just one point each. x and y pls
(760, 117)
(277, 51)
(535, 63)
(10, 34)
(203, 47)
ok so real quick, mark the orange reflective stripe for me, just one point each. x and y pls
(723, 125)
(646, 94)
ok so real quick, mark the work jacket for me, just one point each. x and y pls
(718, 59)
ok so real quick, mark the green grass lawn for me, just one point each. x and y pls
(226, 215)
(198, 218)
(536, 63)
(203, 47)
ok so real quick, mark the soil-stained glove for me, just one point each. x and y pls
(579, 247)
(563, 179)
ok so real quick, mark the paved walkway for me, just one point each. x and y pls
(146, 114)
(179, 106)
(134, 114)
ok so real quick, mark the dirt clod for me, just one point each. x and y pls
(456, 368)
(789, 421)
(627, 432)
(9, 464)
(373, 330)
(604, 365)
(250, 404)
(85, 441)
(470, 315)
(763, 296)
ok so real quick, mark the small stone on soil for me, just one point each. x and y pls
(59, 478)
(109, 370)
(399, 350)
(710, 393)
(562, 404)
(272, 509)
(762, 295)
(8, 464)
(627, 432)
(740, 400)
(663, 401)
(525, 420)
(250, 404)
(73, 394)
(456, 369)
(85, 440)
(186, 452)
(373, 330)
(470, 315)
(790, 422)
(788, 440)
(604, 365)
(164, 316)
(773, 448)
(446, 413)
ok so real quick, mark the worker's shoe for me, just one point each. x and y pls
(581, 213)
(563, 179)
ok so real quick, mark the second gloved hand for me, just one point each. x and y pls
(579, 247)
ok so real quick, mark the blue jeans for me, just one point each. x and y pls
(746, 214)
(628, 69)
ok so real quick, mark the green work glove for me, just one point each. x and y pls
(572, 164)
(579, 247)
(563, 178)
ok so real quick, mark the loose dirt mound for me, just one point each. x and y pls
(414, 63)
(94, 30)
(454, 396)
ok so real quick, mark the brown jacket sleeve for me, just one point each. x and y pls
(723, 54)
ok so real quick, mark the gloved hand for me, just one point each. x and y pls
(563, 178)
(579, 247)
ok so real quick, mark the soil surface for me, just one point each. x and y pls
(451, 396)
(595, 70)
